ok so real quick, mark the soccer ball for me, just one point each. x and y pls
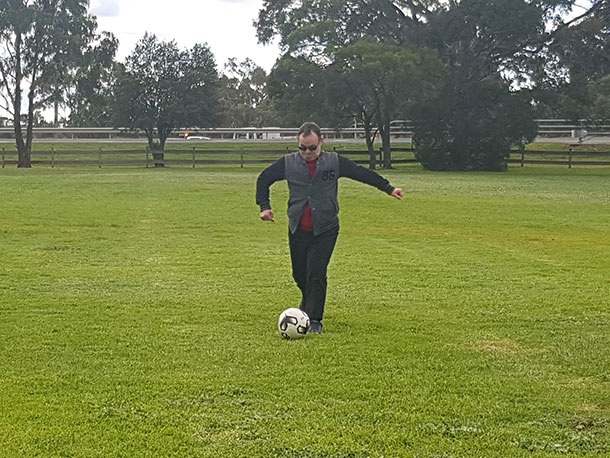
(293, 323)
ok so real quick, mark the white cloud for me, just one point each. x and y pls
(105, 8)
(225, 25)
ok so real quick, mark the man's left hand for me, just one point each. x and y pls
(397, 193)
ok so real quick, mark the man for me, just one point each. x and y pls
(313, 209)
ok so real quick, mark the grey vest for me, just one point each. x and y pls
(320, 192)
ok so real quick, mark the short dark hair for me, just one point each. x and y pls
(308, 128)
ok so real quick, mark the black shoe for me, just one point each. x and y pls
(316, 327)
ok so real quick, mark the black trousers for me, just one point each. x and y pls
(310, 256)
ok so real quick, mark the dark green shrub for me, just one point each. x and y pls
(471, 126)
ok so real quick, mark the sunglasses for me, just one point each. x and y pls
(310, 147)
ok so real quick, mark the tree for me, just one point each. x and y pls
(361, 105)
(299, 91)
(40, 44)
(601, 100)
(367, 80)
(476, 119)
(243, 95)
(162, 88)
(309, 27)
(574, 63)
(318, 27)
(90, 95)
(473, 127)
(494, 46)
(388, 78)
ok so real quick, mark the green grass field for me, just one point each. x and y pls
(138, 314)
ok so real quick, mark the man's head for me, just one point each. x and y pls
(310, 141)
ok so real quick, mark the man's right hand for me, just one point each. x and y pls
(267, 215)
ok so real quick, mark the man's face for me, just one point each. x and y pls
(310, 146)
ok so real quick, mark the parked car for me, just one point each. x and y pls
(188, 136)
(197, 137)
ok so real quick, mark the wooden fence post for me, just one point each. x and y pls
(193, 157)
(3, 157)
(570, 157)
(52, 158)
(241, 149)
(522, 155)
(147, 157)
(99, 158)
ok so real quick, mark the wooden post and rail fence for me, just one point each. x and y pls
(194, 157)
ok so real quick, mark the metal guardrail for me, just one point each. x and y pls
(219, 133)
(546, 127)
(570, 128)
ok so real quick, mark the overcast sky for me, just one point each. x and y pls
(225, 25)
